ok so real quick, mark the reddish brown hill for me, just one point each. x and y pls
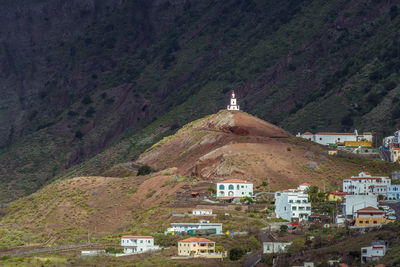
(238, 145)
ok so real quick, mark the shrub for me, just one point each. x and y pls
(235, 253)
(144, 170)
(78, 134)
(87, 100)
(114, 250)
(283, 228)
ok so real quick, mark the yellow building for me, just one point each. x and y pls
(198, 247)
(332, 152)
(337, 196)
(366, 144)
(370, 216)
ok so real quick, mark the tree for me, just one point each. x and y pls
(246, 200)
(235, 253)
(144, 170)
(219, 249)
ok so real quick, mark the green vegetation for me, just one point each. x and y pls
(144, 170)
(332, 78)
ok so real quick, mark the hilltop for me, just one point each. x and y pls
(232, 144)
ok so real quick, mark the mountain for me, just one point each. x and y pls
(226, 144)
(89, 84)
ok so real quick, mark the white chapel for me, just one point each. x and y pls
(233, 105)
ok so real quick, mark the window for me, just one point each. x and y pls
(294, 208)
(242, 193)
(291, 201)
(298, 201)
(366, 221)
(237, 187)
(364, 250)
(231, 187)
(243, 186)
(361, 222)
(221, 187)
(320, 138)
(301, 208)
(305, 201)
(375, 222)
(308, 208)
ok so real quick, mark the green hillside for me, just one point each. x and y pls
(142, 69)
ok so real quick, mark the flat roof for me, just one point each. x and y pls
(136, 236)
(196, 224)
(233, 181)
(197, 240)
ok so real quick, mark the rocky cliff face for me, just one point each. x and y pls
(77, 77)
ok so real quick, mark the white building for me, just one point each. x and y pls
(137, 244)
(393, 192)
(374, 252)
(352, 203)
(200, 212)
(202, 228)
(234, 188)
(233, 105)
(325, 138)
(275, 247)
(304, 187)
(365, 183)
(292, 204)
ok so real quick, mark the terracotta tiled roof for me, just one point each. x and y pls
(370, 209)
(140, 236)
(306, 184)
(307, 133)
(323, 133)
(197, 240)
(226, 197)
(231, 181)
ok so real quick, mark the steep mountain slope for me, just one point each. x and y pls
(83, 76)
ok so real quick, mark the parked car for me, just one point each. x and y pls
(385, 207)
(390, 212)
(392, 217)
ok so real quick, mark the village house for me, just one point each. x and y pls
(370, 216)
(234, 188)
(352, 203)
(393, 192)
(304, 187)
(202, 212)
(374, 252)
(391, 147)
(337, 196)
(138, 244)
(365, 184)
(198, 248)
(201, 228)
(325, 138)
(275, 247)
(292, 205)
